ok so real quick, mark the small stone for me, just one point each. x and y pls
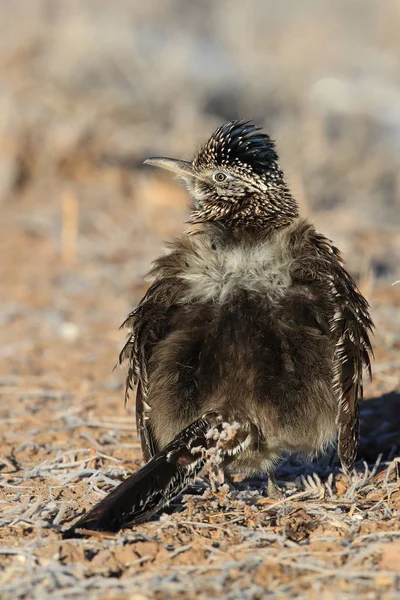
(69, 331)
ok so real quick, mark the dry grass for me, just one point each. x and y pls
(87, 89)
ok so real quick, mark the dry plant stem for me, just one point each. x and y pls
(69, 237)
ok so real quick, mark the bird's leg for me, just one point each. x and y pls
(218, 476)
(214, 477)
(273, 490)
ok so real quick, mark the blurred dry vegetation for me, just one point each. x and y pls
(88, 89)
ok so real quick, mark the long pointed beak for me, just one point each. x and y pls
(179, 167)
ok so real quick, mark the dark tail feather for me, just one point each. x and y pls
(151, 488)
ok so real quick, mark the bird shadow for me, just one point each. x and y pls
(380, 428)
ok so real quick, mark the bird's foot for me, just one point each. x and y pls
(273, 490)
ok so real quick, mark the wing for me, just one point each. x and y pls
(148, 324)
(350, 324)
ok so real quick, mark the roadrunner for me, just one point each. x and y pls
(250, 341)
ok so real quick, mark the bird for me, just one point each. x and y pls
(251, 341)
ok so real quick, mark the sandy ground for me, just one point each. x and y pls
(87, 90)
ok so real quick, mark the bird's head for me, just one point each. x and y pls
(235, 179)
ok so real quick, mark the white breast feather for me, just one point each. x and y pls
(215, 275)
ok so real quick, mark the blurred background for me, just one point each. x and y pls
(90, 88)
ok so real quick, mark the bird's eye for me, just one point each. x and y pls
(220, 176)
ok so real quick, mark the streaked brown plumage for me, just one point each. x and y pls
(251, 318)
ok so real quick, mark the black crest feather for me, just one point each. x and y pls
(238, 142)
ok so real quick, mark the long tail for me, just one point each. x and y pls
(161, 480)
